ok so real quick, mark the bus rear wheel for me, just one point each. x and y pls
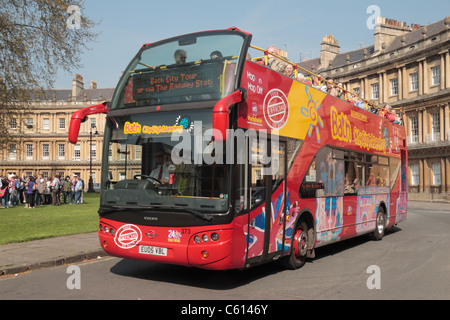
(297, 258)
(380, 225)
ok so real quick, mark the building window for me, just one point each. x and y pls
(394, 87)
(46, 123)
(12, 151)
(93, 123)
(375, 91)
(123, 151)
(435, 127)
(414, 81)
(62, 123)
(356, 91)
(13, 123)
(414, 174)
(414, 129)
(61, 151)
(29, 123)
(436, 75)
(29, 151)
(436, 167)
(77, 152)
(137, 152)
(45, 151)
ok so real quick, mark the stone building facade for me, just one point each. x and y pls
(407, 67)
(41, 143)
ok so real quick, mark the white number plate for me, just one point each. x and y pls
(156, 251)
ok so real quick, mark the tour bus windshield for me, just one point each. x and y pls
(162, 161)
(191, 68)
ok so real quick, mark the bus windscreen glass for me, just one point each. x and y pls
(192, 68)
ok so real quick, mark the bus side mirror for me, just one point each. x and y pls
(221, 113)
(81, 116)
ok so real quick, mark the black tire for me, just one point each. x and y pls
(299, 250)
(380, 225)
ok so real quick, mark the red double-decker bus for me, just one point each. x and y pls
(215, 161)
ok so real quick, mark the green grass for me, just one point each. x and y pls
(19, 224)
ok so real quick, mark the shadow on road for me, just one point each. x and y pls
(207, 279)
(221, 280)
(335, 248)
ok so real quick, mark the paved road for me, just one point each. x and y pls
(411, 262)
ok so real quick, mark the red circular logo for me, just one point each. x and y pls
(128, 236)
(276, 109)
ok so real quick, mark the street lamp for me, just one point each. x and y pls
(91, 182)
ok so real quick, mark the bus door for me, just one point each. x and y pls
(267, 198)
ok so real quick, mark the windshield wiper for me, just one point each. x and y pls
(198, 214)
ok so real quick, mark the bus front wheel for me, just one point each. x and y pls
(297, 258)
(380, 225)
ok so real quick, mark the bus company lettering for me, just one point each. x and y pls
(341, 128)
(132, 128)
(128, 236)
(368, 141)
(136, 128)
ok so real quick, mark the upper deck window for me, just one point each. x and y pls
(190, 68)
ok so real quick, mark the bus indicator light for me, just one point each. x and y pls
(205, 254)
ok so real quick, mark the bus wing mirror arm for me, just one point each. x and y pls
(221, 113)
(81, 116)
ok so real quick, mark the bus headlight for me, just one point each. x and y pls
(215, 236)
(197, 239)
(205, 238)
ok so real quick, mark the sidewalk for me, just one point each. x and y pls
(32, 255)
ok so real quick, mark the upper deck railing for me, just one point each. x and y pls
(332, 88)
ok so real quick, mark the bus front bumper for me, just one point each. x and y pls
(201, 247)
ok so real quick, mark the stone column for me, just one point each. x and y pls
(447, 70)
(442, 85)
(426, 83)
(441, 123)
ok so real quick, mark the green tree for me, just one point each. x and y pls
(37, 39)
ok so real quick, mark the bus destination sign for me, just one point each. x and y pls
(191, 80)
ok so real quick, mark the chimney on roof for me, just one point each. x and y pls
(328, 51)
(77, 86)
(93, 85)
(386, 30)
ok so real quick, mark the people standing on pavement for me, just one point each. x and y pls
(14, 193)
(82, 188)
(67, 190)
(29, 192)
(47, 191)
(56, 191)
(39, 194)
(4, 192)
(78, 190)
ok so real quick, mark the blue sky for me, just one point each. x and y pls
(293, 25)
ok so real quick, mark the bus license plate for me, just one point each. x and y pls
(156, 251)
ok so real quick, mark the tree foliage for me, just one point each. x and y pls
(37, 39)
